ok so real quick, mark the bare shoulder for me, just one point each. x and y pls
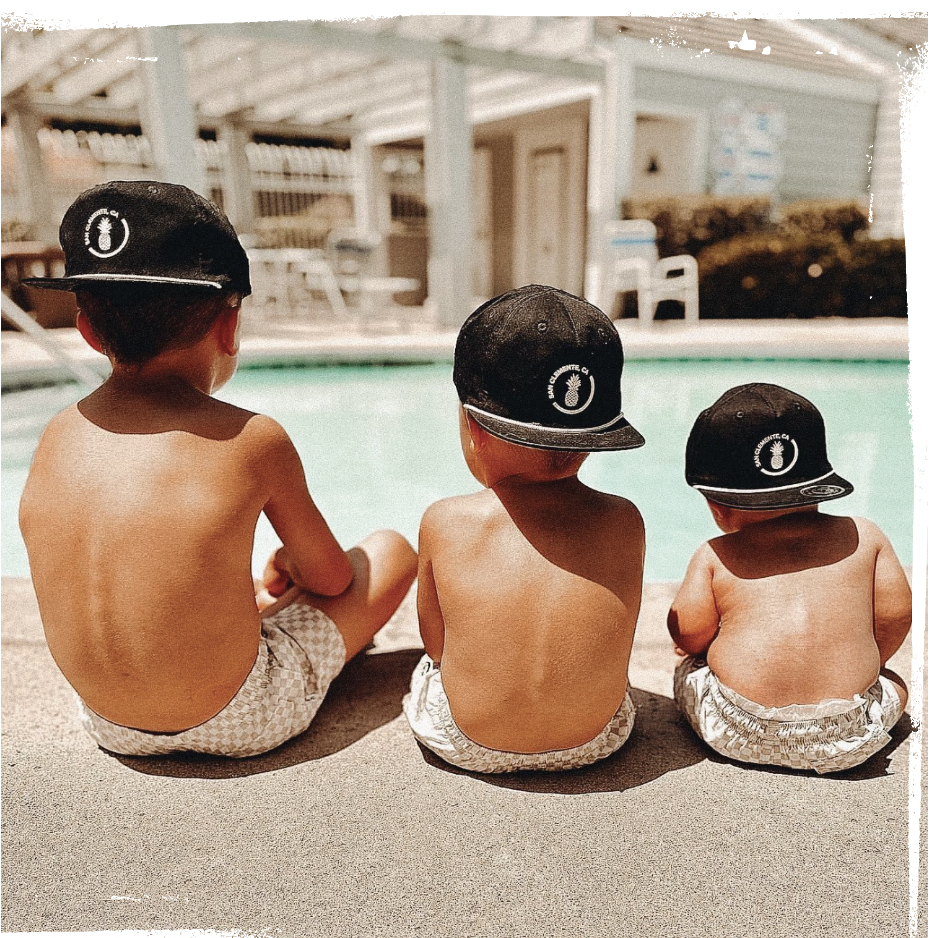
(261, 430)
(265, 441)
(706, 557)
(64, 436)
(869, 533)
(459, 517)
(615, 510)
(457, 510)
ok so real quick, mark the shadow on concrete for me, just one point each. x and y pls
(366, 695)
(877, 766)
(661, 742)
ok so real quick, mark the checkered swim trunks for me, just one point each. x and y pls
(301, 651)
(830, 736)
(428, 712)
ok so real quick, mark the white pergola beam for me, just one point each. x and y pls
(46, 56)
(245, 78)
(370, 90)
(855, 40)
(391, 45)
(448, 183)
(611, 143)
(96, 75)
(237, 180)
(168, 120)
(283, 92)
(34, 189)
(522, 94)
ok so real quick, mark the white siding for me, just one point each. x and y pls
(827, 143)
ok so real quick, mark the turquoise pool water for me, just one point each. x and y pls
(380, 444)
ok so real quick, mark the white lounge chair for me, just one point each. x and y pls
(285, 278)
(633, 264)
(352, 255)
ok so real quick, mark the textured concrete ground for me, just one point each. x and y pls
(352, 830)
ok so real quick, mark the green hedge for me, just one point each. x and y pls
(817, 217)
(687, 224)
(778, 276)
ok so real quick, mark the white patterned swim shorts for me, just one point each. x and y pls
(428, 713)
(830, 736)
(301, 651)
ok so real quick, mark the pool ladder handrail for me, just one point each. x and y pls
(22, 320)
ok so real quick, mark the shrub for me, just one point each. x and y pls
(687, 224)
(801, 277)
(818, 217)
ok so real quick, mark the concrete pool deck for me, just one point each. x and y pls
(24, 363)
(351, 830)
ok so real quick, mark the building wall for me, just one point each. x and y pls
(827, 140)
(539, 196)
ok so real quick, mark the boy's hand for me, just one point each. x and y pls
(277, 578)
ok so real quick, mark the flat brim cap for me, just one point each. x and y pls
(761, 447)
(148, 232)
(540, 367)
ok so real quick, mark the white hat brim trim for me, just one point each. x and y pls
(140, 278)
(541, 426)
(776, 488)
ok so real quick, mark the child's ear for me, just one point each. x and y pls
(227, 327)
(716, 512)
(87, 332)
(479, 436)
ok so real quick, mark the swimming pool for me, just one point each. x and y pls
(380, 444)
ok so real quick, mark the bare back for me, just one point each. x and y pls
(139, 516)
(534, 591)
(797, 609)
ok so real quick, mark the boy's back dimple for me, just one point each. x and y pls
(540, 592)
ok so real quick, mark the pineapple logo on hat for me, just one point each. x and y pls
(106, 233)
(782, 453)
(575, 400)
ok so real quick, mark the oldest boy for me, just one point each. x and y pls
(141, 505)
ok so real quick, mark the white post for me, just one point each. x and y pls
(237, 181)
(168, 118)
(611, 145)
(33, 178)
(363, 184)
(886, 181)
(448, 169)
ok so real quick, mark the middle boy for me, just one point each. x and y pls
(529, 591)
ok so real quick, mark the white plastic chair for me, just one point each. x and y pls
(352, 254)
(283, 279)
(632, 264)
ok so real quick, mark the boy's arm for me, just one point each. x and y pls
(693, 619)
(893, 601)
(311, 556)
(429, 613)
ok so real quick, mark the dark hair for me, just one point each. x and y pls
(135, 322)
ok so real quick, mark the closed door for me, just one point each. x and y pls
(547, 248)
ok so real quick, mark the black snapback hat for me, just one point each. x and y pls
(760, 446)
(148, 232)
(540, 367)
